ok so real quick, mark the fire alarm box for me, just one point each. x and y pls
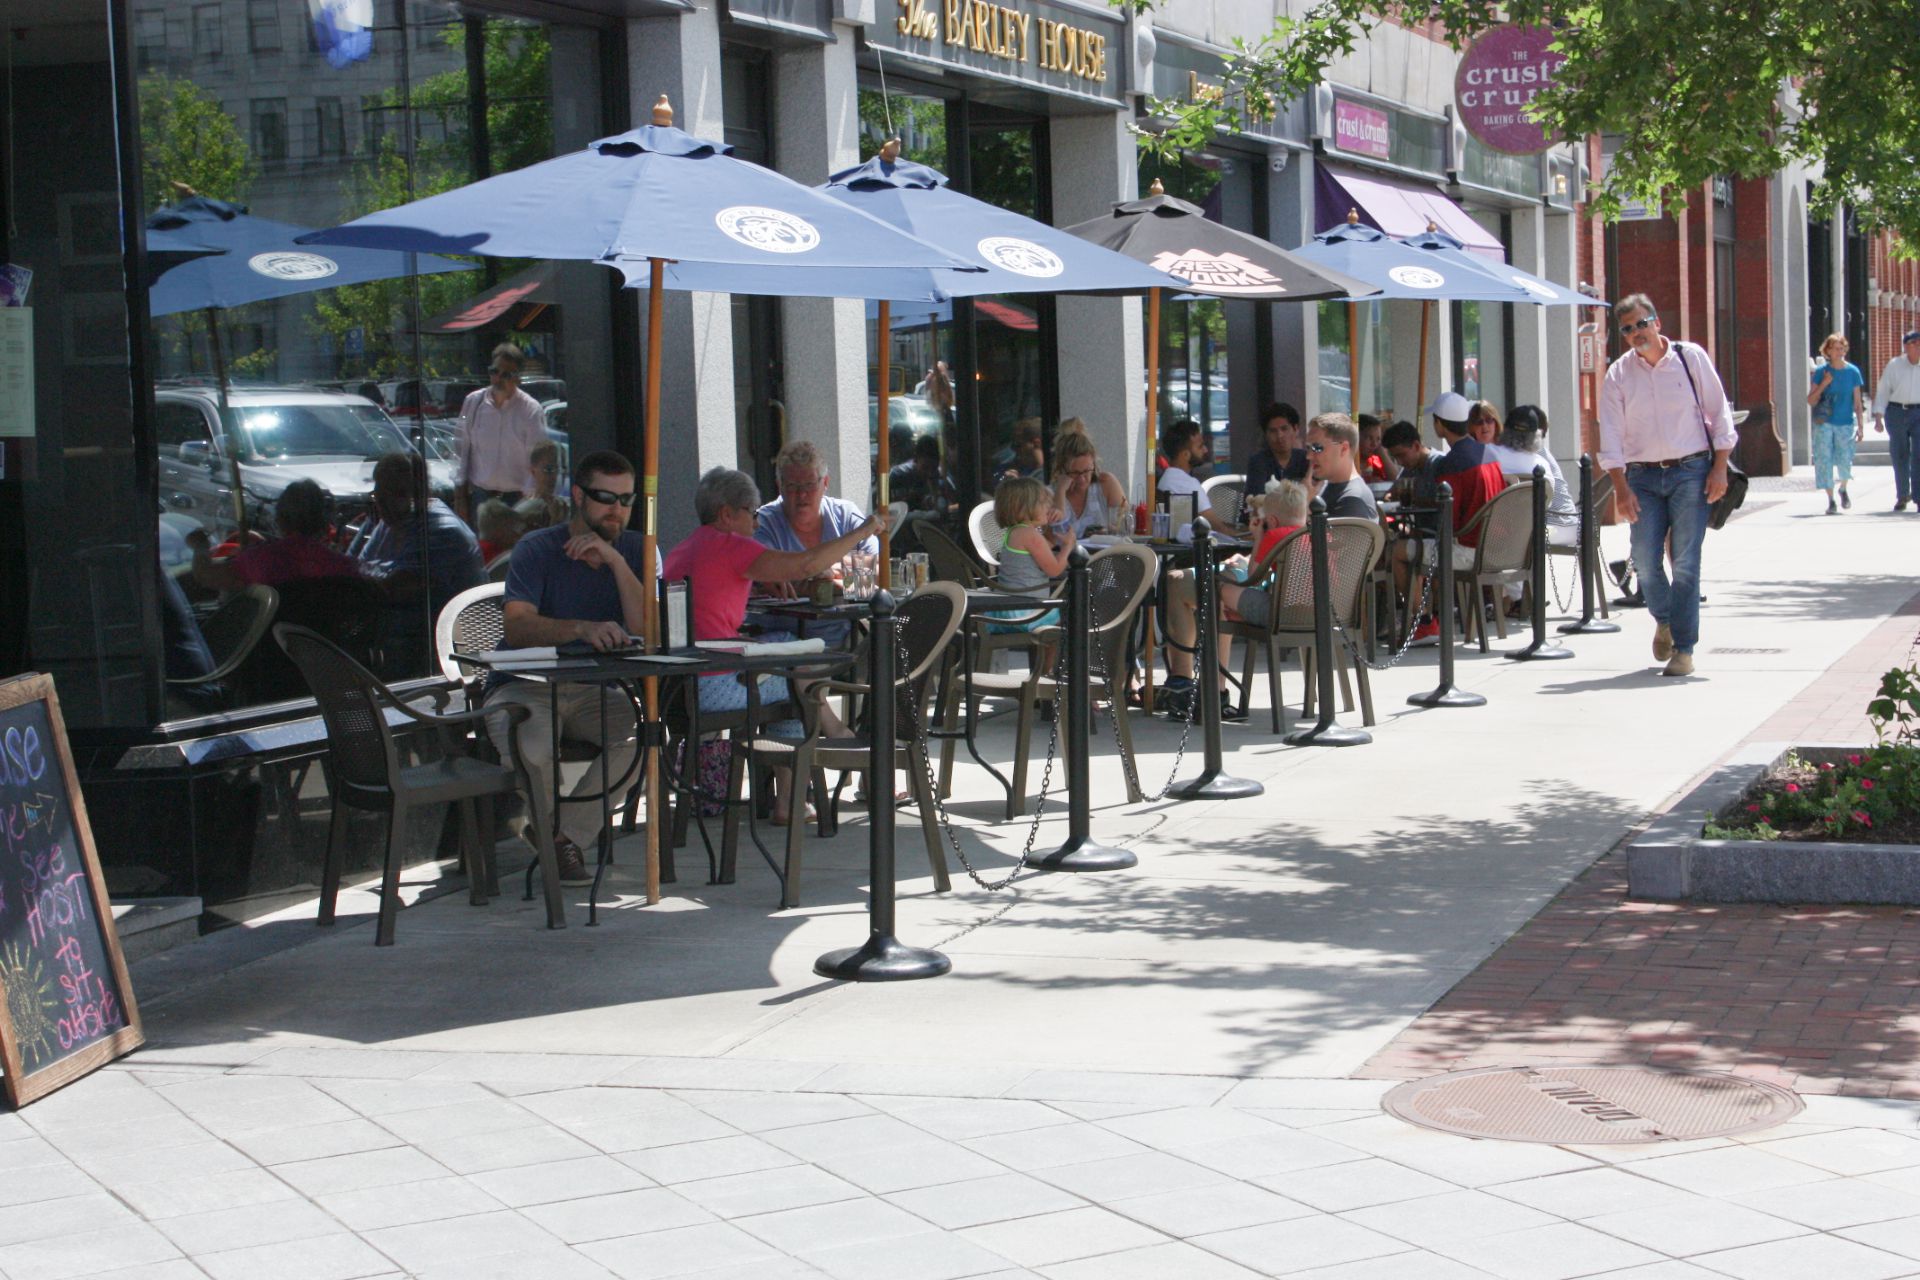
(1590, 349)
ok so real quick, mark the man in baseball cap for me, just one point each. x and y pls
(1462, 451)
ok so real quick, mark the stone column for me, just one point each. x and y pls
(1296, 325)
(1101, 340)
(680, 57)
(823, 341)
(1562, 266)
(1533, 378)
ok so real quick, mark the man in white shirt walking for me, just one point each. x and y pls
(1666, 432)
(1896, 411)
(499, 426)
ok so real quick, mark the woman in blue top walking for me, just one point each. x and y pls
(1839, 408)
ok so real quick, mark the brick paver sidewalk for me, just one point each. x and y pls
(1819, 999)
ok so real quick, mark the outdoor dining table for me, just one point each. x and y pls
(580, 664)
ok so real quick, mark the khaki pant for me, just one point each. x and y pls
(533, 746)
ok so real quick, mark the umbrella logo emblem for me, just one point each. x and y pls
(1534, 287)
(287, 265)
(1022, 257)
(1416, 277)
(770, 230)
(1225, 273)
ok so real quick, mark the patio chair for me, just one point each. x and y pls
(948, 561)
(1353, 548)
(1502, 537)
(1118, 580)
(1227, 497)
(927, 621)
(1602, 490)
(348, 611)
(365, 772)
(498, 566)
(986, 534)
(232, 633)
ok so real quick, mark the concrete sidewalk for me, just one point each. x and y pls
(1141, 1073)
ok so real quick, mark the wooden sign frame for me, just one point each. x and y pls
(21, 1087)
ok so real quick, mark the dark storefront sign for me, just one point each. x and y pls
(1061, 48)
(1186, 71)
(1377, 132)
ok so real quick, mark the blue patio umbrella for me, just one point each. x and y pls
(699, 219)
(1016, 253)
(1401, 271)
(214, 255)
(1544, 293)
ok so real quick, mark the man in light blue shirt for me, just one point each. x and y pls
(803, 516)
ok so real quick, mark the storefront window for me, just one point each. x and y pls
(315, 386)
(1338, 321)
(1483, 352)
(1193, 335)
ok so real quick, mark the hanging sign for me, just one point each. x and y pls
(1498, 76)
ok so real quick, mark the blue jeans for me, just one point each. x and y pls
(1673, 500)
(1903, 441)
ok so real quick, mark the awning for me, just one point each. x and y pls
(1397, 208)
(535, 288)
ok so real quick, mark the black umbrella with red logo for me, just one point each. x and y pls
(1177, 237)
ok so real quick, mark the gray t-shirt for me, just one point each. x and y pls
(1349, 499)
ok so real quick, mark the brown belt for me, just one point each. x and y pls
(1670, 462)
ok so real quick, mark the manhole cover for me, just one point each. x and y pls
(1591, 1104)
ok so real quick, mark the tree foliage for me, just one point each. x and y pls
(187, 136)
(1694, 89)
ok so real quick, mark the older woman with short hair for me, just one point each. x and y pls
(722, 561)
(805, 515)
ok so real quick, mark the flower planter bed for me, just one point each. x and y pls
(1673, 862)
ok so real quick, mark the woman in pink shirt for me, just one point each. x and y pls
(721, 561)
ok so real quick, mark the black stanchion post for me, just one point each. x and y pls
(1080, 853)
(1445, 695)
(1539, 649)
(883, 958)
(1214, 782)
(1589, 559)
(1324, 732)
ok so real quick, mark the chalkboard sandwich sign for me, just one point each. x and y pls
(68, 1006)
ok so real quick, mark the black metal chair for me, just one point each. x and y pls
(350, 612)
(927, 622)
(365, 772)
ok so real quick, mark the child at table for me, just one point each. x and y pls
(1032, 551)
(1282, 510)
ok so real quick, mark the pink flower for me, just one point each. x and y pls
(1826, 768)
(1860, 816)
(1766, 821)
(1753, 808)
(1853, 759)
(1793, 788)
(1866, 784)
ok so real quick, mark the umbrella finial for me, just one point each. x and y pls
(1353, 217)
(663, 112)
(1432, 226)
(1157, 189)
(890, 150)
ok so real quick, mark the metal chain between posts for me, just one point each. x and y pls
(1040, 805)
(1562, 607)
(1413, 624)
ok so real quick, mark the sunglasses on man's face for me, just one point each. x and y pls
(1316, 447)
(608, 498)
(1628, 330)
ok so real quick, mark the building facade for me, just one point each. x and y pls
(116, 447)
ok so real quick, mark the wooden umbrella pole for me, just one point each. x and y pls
(650, 543)
(1353, 359)
(1153, 425)
(1426, 318)
(883, 468)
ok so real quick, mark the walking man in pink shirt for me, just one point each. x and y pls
(1666, 432)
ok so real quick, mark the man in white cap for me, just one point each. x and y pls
(1896, 411)
(1460, 451)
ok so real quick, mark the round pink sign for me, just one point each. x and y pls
(1498, 76)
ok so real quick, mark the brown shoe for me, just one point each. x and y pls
(1680, 664)
(573, 866)
(1662, 642)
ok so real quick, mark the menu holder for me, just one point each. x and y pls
(68, 1006)
(1180, 507)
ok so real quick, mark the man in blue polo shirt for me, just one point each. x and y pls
(584, 581)
(1463, 452)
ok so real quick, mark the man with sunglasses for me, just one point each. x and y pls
(1666, 432)
(499, 426)
(584, 581)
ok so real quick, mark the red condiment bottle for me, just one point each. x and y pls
(1140, 522)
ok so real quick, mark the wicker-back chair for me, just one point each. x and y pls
(474, 621)
(926, 622)
(1502, 537)
(498, 566)
(1118, 580)
(986, 534)
(348, 611)
(947, 559)
(1226, 496)
(1286, 575)
(366, 773)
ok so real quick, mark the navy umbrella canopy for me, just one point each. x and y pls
(1541, 292)
(1398, 270)
(255, 259)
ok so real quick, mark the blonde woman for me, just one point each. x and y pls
(1090, 500)
(1838, 398)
